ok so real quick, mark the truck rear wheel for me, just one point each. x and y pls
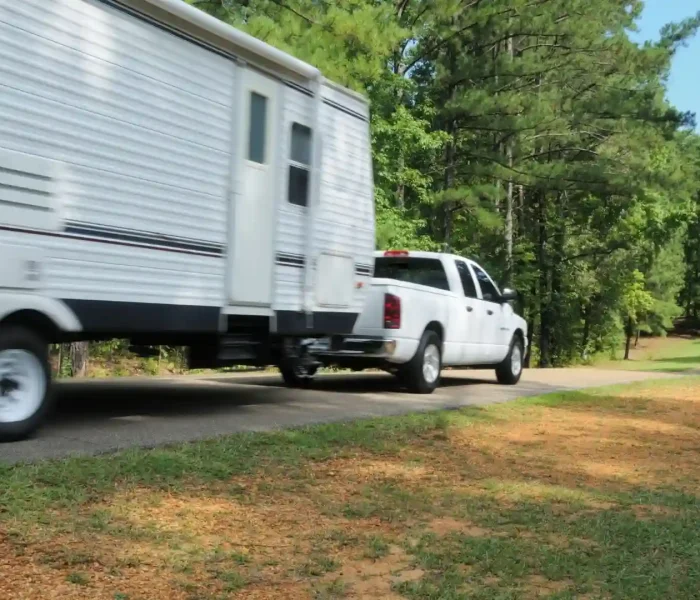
(25, 378)
(422, 374)
(510, 370)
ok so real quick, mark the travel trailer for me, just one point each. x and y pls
(168, 179)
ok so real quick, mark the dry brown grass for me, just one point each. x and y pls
(282, 538)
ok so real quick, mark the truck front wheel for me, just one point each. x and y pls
(510, 370)
(25, 378)
(422, 374)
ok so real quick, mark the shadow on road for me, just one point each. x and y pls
(88, 400)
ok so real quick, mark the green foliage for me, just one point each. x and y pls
(636, 300)
(533, 136)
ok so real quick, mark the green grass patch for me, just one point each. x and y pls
(377, 547)
(675, 355)
(475, 533)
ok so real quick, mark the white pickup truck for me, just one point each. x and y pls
(426, 311)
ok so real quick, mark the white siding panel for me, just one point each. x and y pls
(50, 71)
(345, 217)
(139, 123)
(108, 34)
(81, 269)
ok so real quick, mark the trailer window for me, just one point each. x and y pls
(423, 271)
(299, 165)
(258, 127)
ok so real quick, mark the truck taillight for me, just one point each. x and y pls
(392, 312)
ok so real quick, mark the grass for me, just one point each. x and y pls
(663, 355)
(571, 495)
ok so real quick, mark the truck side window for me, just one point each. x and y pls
(488, 290)
(467, 279)
(258, 128)
(299, 165)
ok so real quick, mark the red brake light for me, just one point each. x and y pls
(396, 253)
(392, 312)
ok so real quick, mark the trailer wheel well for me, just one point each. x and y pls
(35, 321)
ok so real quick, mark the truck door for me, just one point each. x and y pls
(494, 323)
(472, 320)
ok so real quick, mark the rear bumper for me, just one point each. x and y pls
(362, 346)
(377, 349)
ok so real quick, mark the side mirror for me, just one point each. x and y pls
(508, 294)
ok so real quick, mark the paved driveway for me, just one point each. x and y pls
(101, 416)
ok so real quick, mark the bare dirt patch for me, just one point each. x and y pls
(287, 534)
(448, 525)
(366, 579)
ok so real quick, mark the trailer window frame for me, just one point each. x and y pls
(299, 172)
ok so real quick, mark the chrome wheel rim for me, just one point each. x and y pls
(516, 360)
(431, 363)
(22, 385)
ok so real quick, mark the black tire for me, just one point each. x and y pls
(24, 340)
(413, 374)
(296, 375)
(506, 372)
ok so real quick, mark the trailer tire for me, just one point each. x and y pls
(296, 375)
(511, 369)
(25, 383)
(422, 374)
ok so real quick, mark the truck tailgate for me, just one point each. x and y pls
(371, 319)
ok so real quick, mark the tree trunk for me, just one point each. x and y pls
(509, 221)
(450, 153)
(636, 339)
(586, 330)
(544, 286)
(531, 321)
(401, 187)
(79, 358)
(629, 332)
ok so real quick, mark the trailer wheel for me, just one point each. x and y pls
(510, 370)
(296, 374)
(25, 378)
(422, 374)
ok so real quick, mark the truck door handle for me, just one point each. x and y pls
(489, 312)
(470, 308)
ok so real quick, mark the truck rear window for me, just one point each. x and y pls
(423, 271)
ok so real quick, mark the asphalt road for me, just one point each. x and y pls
(94, 417)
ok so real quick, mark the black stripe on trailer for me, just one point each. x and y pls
(326, 101)
(364, 270)
(290, 260)
(161, 243)
(143, 237)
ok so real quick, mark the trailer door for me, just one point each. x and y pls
(252, 241)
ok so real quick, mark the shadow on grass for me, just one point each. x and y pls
(694, 360)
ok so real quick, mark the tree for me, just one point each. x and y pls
(636, 303)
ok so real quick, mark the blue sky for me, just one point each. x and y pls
(684, 84)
